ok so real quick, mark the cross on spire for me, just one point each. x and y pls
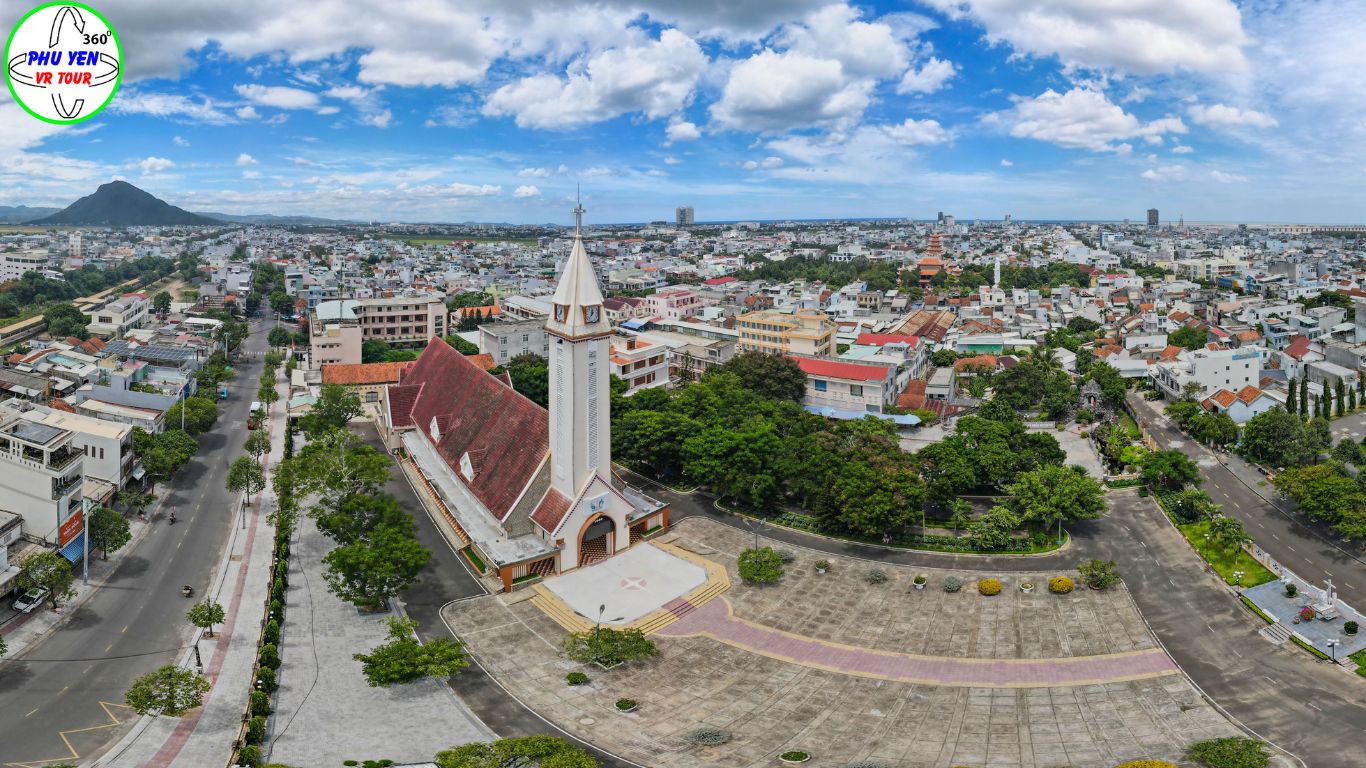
(578, 213)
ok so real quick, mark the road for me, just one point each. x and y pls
(1311, 551)
(1308, 707)
(61, 695)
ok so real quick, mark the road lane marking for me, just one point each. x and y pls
(125, 629)
(1310, 704)
(35, 709)
(107, 648)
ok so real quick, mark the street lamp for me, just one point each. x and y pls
(1238, 578)
(754, 525)
(1207, 545)
(1333, 649)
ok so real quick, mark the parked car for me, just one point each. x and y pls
(29, 600)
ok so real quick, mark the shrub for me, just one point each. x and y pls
(1060, 585)
(876, 576)
(277, 591)
(760, 566)
(989, 587)
(627, 704)
(270, 656)
(1307, 613)
(823, 565)
(1291, 590)
(1099, 574)
(952, 583)
(795, 756)
(1350, 627)
(786, 555)
(576, 678)
(250, 756)
(260, 703)
(256, 730)
(921, 578)
(277, 610)
(1232, 752)
(708, 736)
(608, 647)
(265, 680)
(271, 634)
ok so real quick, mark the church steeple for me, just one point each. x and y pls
(577, 304)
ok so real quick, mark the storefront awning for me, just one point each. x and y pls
(73, 550)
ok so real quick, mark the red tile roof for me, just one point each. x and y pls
(720, 280)
(1298, 347)
(473, 411)
(551, 511)
(483, 361)
(354, 374)
(838, 370)
(401, 401)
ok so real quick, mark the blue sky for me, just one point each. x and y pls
(493, 110)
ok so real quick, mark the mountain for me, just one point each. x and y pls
(120, 204)
(269, 219)
(14, 214)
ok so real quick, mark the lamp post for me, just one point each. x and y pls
(1207, 546)
(1333, 649)
(754, 525)
(1238, 578)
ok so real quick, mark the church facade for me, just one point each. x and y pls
(530, 491)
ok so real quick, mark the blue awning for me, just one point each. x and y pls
(905, 420)
(73, 550)
(635, 325)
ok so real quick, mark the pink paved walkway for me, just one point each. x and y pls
(715, 620)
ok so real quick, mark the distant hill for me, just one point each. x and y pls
(120, 204)
(268, 219)
(14, 214)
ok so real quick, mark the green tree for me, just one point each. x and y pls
(360, 515)
(991, 532)
(1189, 337)
(1214, 428)
(1291, 386)
(279, 337)
(108, 530)
(50, 571)
(373, 351)
(1099, 574)
(245, 477)
(1340, 391)
(335, 408)
(206, 613)
(1170, 469)
(1228, 531)
(267, 394)
(169, 691)
(947, 469)
(368, 573)
(462, 346)
(258, 443)
(65, 320)
(943, 358)
(1191, 504)
(1347, 451)
(336, 467)
(135, 500)
(736, 462)
(1324, 492)
(404, 660)
(520, 752)
(163, 453)
(774, 377)
(607, 646)
(530, 376)
(1053, 495)
(653, 439)
(760, 566)
(161, 302)
(1112, 384)
(1277, 438)
(200, 414)
(875, 501)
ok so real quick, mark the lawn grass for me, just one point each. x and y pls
(1360, 658)
(1253, 607)
(1222, 557)
(1127, 421)
(473, 557)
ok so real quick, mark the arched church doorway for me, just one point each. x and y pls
(595, 543)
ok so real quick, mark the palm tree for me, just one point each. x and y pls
(1046, 358)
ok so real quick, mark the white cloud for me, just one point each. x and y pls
(1006, 163)
(251, 174)
(1182, 149)
(245, 159)
(563, 169)
(671, 160)
(1081, 118)
(867, 156)
(771, 162)
(596, 171)
(1140, 36)
(750, 165)
(1227, 178)
(526, 190)
(1136, 94)
(930, 77)
(247, 113)
(154, 165)
(775, 92)
(278, 96)
(533, 173)
(378, 119)
(655, 79)
(180, 141)
(917, 132)
(165, 105)
(300, 161)
(1224, 116)
(862, 48)
(656, 172)
(682, 130)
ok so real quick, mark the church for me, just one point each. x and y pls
(530, 492)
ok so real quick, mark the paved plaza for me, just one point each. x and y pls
(627, 587)
(1041, 680)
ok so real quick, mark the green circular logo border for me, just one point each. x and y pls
(9, 82)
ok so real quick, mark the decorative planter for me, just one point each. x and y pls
(920, 582)
(627, 705)
(1027, 588)
(793, 758)
(822, 570)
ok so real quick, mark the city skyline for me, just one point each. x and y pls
(801, 110)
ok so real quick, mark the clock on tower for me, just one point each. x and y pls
(591, 314)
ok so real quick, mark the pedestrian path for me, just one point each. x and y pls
(716, 620)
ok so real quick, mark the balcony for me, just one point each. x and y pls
(64, 486)
(63, 458)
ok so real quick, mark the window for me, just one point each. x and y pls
(820, 385)
(856, 390)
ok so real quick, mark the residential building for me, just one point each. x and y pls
(367, 380)
(41, 479)
(639, 363)
(107, 446)
(404, 321)
(120, 316)
(673, 303)
(1152, 217)
(504, 341)
(847, 387)
(683, 216)
(14, 265)
(334, 335)
(1209, 369)
(805, 332)
(1242, 405)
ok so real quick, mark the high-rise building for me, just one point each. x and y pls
(1152, 217)
(683, 216)
(74, 246)
(1007, 220)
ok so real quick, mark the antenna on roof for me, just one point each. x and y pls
(578, 212)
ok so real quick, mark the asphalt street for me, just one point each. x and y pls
(57, 698)
(1312, 551)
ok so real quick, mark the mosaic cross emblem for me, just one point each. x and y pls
(636, 583)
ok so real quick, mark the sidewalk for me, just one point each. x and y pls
(203, 738)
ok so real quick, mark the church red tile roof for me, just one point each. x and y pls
(401, 401)
(551, 511)
(356, 374)
(473, 412)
